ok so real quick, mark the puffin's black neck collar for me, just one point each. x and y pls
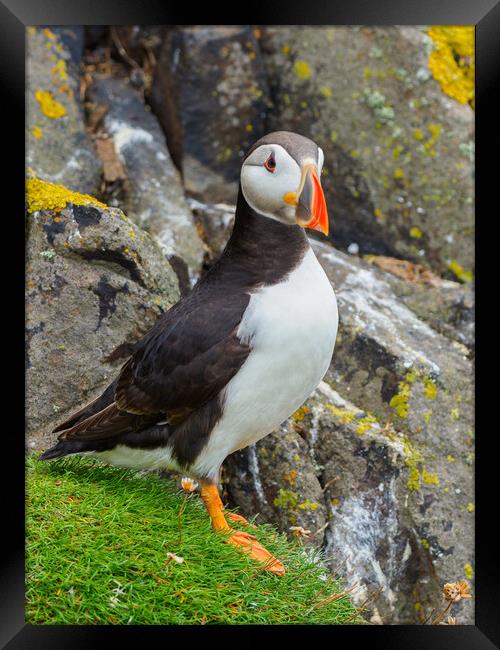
(262, 249)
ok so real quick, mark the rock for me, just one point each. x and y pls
(214, 222)
(95, 281)
(398, 151)
(140, 42)
(58, 147)
(210, 95)
(154, 196)
(277, 479)
(406, 543)
(449, 308)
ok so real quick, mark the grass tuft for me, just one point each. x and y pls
(98, 539)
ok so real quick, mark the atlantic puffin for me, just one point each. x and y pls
(235, 357)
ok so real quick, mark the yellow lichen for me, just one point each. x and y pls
(425, 543)
(344, 415)
(452, 61)
(49, 106)
(300, 413)
(398, 173)
(37, 132)
(396, 152)
(365, 424)
(468, 570)
(430, 388)
(399, 402)
(460, 272)
(413, 482)
(413, 461)
(470, 507)
(41, 195)
(302, 69)
(415, 232)
(308, 505)
(60, 70)
(326, 91)
(429, 479)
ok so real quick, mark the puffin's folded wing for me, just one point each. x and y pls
(107, 423)
(184, 362)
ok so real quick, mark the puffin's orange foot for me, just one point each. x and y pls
(239, 518)
(256, 551)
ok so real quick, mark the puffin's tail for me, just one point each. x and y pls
(62, 448)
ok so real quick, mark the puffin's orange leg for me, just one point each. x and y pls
(248, 543)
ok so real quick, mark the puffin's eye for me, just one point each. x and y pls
(270, 163)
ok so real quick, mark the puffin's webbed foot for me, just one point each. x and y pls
(256, 551)
(246, 541)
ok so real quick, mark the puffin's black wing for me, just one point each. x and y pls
(185, 360)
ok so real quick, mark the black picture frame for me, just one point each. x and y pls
(15, 15)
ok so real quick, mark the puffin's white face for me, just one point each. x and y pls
(274, 185)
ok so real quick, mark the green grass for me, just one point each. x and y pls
(96, 553)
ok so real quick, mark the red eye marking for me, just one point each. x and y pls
(270, 164)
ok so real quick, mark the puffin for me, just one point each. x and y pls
(238, 354)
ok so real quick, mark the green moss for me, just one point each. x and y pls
(286, 499)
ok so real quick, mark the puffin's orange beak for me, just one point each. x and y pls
(311, 206)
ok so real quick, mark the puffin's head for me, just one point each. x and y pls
(280, 179)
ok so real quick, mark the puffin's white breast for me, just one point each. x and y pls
(291, 327)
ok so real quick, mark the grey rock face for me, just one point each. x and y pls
(95, 281)
(277, 479)
(58, 148)
(154, 196)
(210, 96)
(398, 177)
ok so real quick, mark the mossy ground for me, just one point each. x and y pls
(96, 553)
